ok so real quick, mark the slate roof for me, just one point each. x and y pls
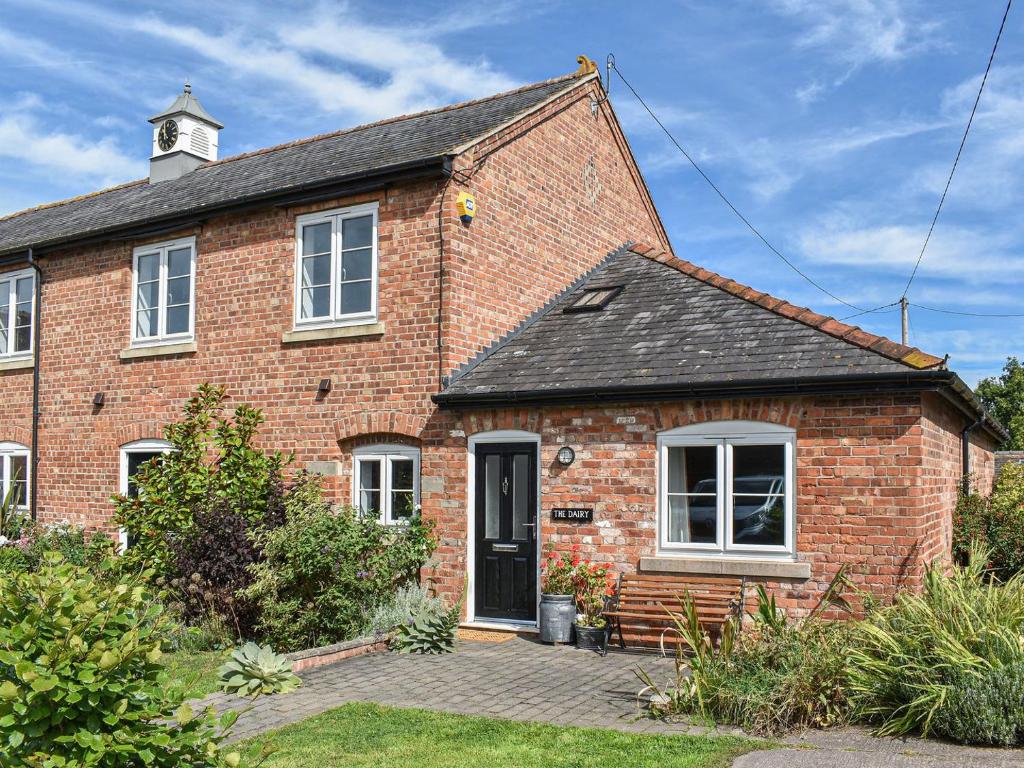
(187, 104)
(399, 142)
(675, 326)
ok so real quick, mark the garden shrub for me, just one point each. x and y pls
(213, 458)
(409, 600)
(72, 542)
(81, 682)
(323, 570)
(984, 707)
(996, 522)
(773, 677)
(914, 655)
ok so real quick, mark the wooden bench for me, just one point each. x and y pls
(640, 610)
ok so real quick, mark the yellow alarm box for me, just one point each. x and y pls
(465, 204)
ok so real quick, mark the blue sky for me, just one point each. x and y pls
(831, 123)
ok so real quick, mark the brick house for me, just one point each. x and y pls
(412, 359)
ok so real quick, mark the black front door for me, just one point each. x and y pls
(506, 531)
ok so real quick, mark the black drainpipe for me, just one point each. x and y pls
(965, 447)
(36, 324)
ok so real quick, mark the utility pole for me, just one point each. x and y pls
(904, 315)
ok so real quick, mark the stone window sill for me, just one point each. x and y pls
(716, 566)
(337, 332)
(17, 365)
(158, 350)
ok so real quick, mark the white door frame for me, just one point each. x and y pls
(496, 436)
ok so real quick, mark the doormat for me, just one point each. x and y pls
(484, 635)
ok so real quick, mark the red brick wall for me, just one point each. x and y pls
(861, 483)
(555, 193)
(533, 237)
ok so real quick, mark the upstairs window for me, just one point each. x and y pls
(163, 292)
(386, 482)
(727, 488)
(336, 267)
(17, 309)
(14, 474)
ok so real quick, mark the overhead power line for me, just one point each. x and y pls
(966, 314)
(959, 151)
(728, 202)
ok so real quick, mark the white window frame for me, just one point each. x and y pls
(149, 445)
(386, 454)
(13, 278)
(162, 337)
(8, 450)
(336, 216)
(724, 435)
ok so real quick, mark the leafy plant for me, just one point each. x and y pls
(34, 542)
(559, 570)
(1003, 397)
(910, 656)
(213, 460)
(323, 569)
(996, 522)
(429, 633)
(81, 682)
(409, 600)
(774, 677)
(12, 516)
(255, 670)
(986, 707)
(592, 583)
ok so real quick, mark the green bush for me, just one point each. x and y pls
(428, 632)
(984, 707)
(80, 677)
(76, 547)
(213, 459)
(409, 600)
(323, 570)
(908, 658)
(996, 522)
(773, 677)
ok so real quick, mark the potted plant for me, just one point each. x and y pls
(557, 597)
(593, 583)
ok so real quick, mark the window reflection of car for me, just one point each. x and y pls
(756, 518)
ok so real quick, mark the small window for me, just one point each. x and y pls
(133, 456)
(14, 474)
(336, 267)
(17, 310)
(163, 292)
(592, 299)
(386, 482)
(727, 488)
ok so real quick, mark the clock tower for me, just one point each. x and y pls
(184, 137)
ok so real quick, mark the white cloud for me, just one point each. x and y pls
(325, 54)
(24, 138)
(25, 52)
(852, 34)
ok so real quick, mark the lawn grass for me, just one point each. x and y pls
(372, 736)
(194, 671)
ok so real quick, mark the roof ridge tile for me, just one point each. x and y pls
(852, 334)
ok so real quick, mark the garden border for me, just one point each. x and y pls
(328, 654)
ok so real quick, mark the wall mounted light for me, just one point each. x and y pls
(566, 455)
(99, 399)
(323, 387)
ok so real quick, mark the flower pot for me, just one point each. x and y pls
(591, 638)
(557, 614)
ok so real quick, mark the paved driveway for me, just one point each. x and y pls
(519, 679)
(526, 680)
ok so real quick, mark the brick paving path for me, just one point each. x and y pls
(518, 679)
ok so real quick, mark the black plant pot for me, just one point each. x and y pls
(592, 638)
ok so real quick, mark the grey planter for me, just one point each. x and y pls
(557, 614)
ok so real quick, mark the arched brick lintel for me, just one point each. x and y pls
(141, 430)
(13, 434)
(379, 422)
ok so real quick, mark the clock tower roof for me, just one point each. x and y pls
(187, 104)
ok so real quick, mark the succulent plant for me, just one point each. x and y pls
(254, 670)
(430, 632)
